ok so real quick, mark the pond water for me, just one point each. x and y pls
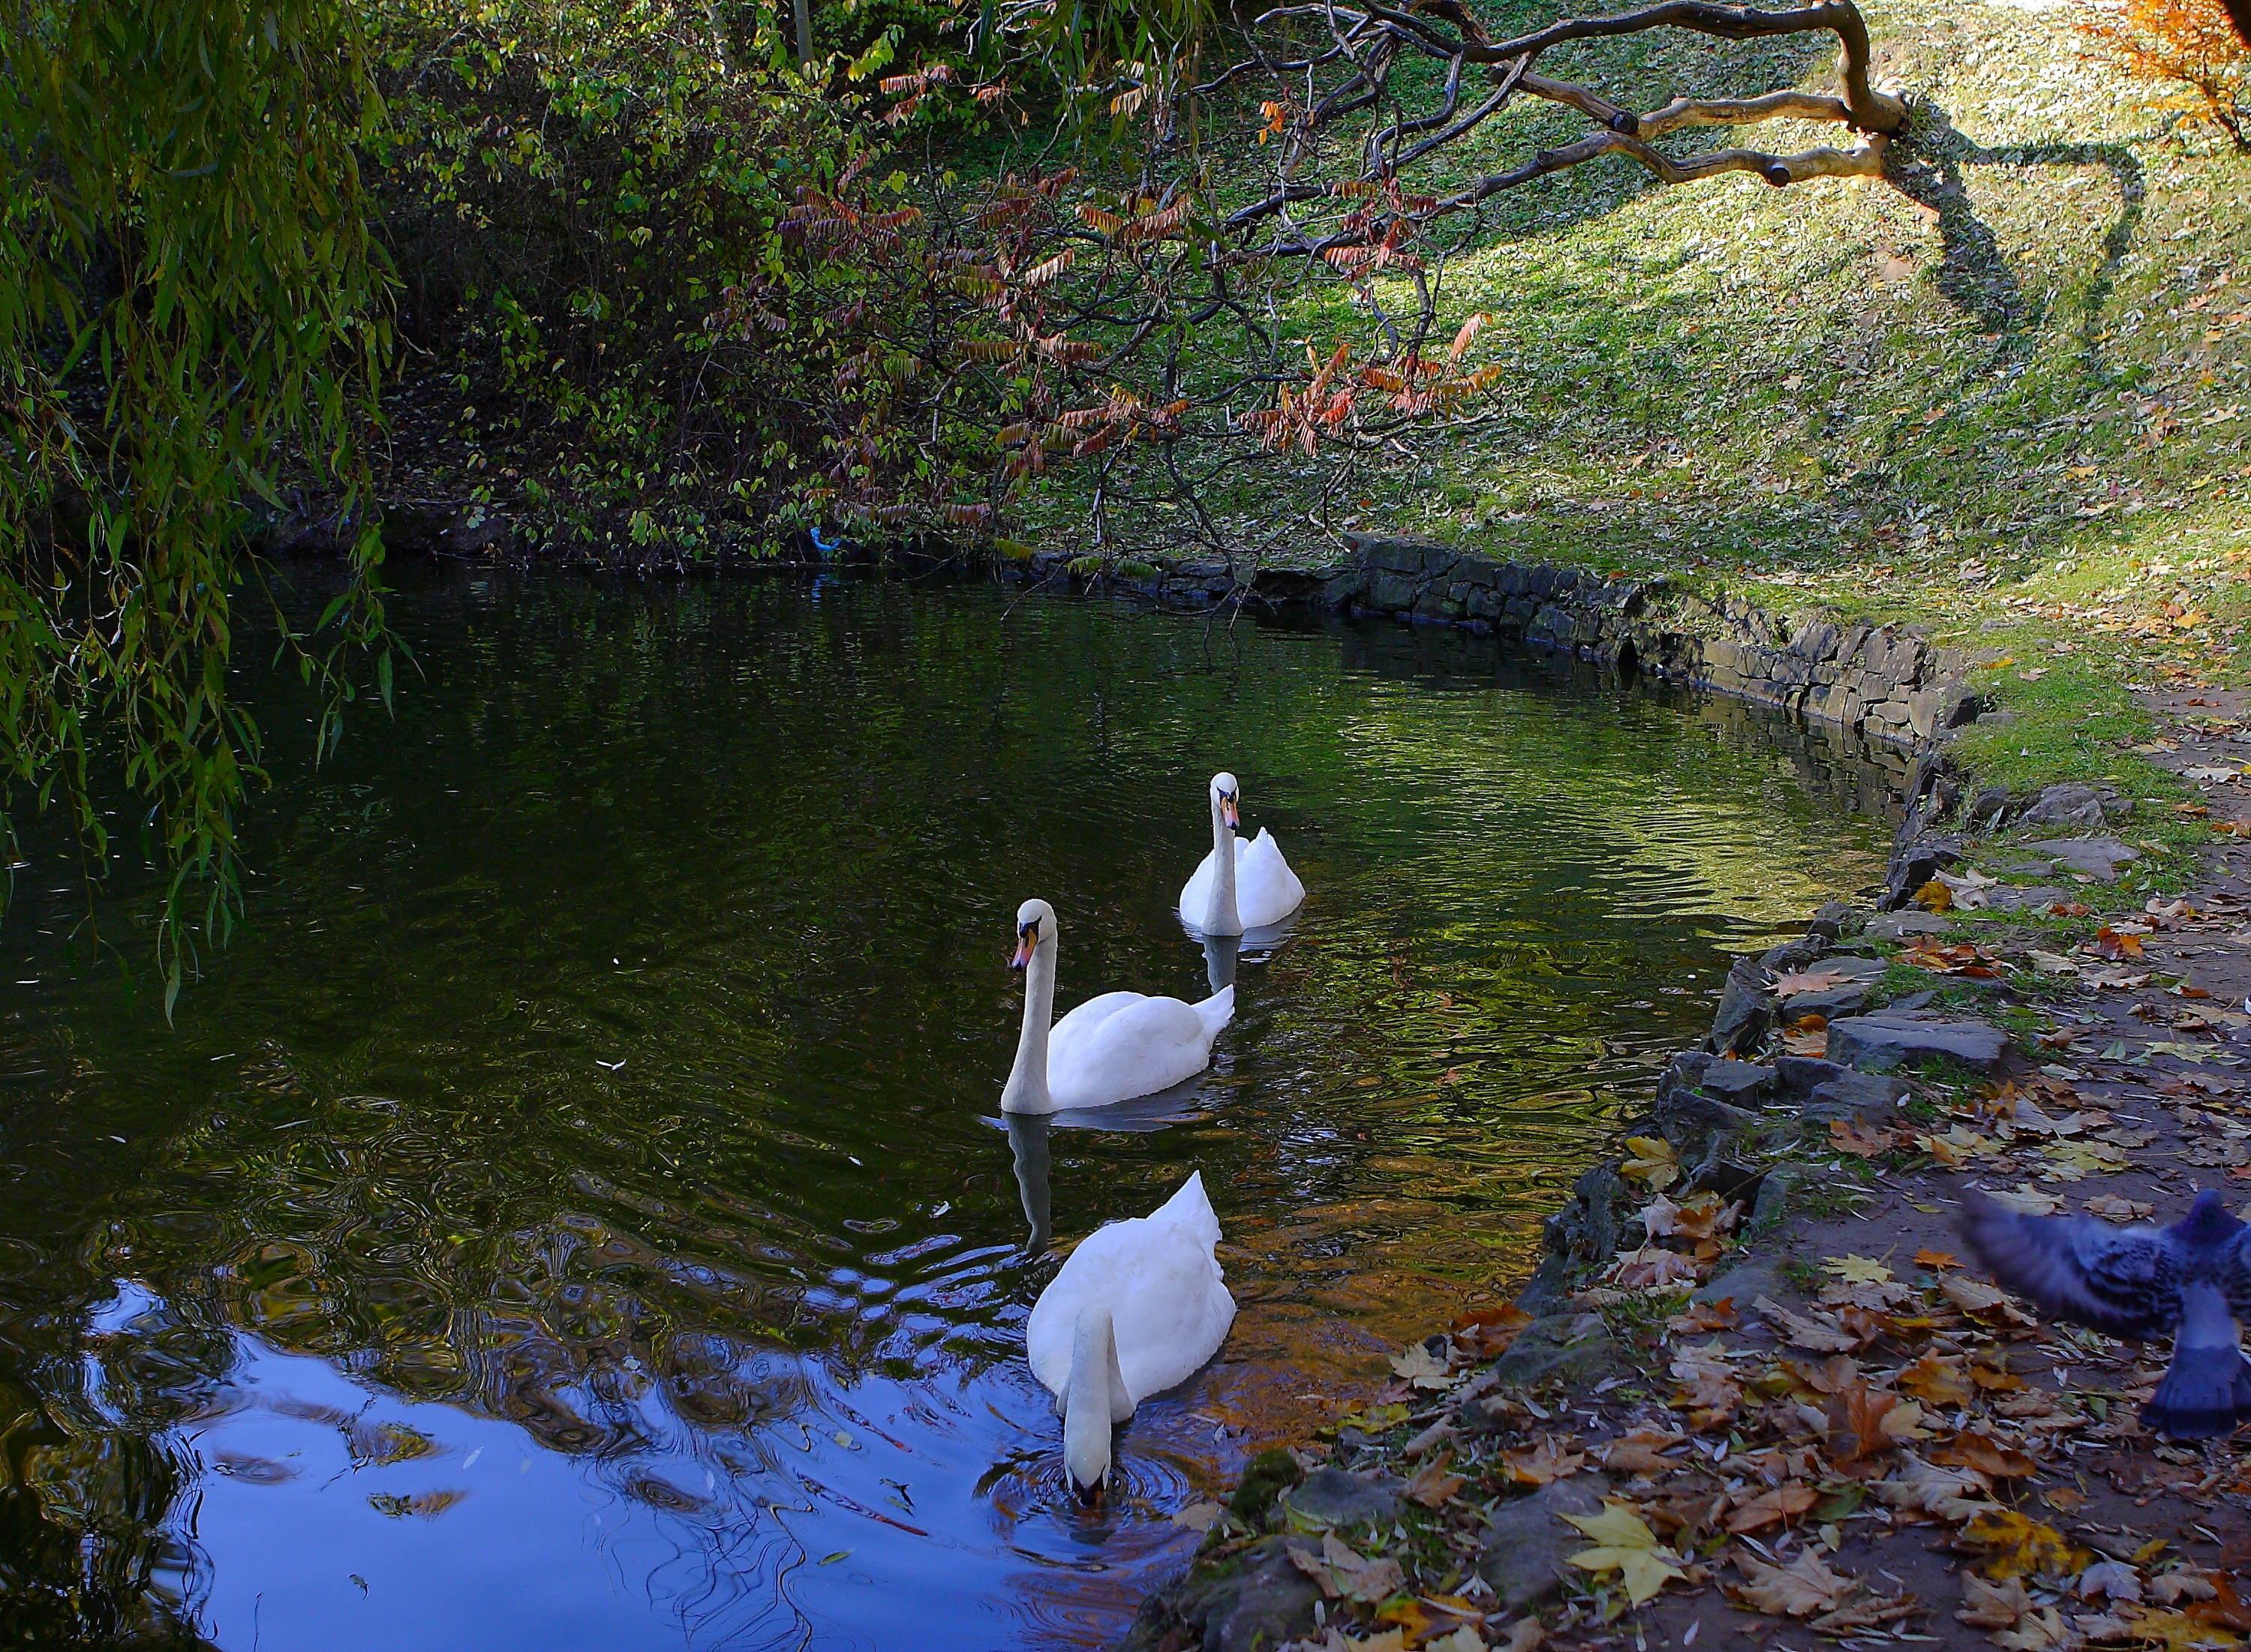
(574, 1212)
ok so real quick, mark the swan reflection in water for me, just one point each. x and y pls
(1027, 1140)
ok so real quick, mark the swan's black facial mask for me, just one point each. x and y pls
(1230, 810)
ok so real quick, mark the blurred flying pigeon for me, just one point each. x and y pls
(2193, 1280)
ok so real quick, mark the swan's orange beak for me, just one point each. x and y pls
(1230, 810)
(1027, 938)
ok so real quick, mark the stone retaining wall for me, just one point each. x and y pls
(1883, 681)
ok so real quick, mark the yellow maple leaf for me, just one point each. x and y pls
(2018, 1545)
(1626, 1546)
(1653, 1162)
(1858, 1270)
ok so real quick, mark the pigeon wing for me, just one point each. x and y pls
(2123, 1282)
(2233, 1272)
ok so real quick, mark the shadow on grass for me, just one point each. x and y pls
(1976, 277)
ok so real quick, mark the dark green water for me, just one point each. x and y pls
(573, 1213)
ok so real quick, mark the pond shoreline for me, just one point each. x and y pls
(1473, 1502)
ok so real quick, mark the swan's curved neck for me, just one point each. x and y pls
(1220, 918)
(1027, 1088)
(1093, 1400)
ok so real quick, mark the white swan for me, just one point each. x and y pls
(1238, 886)
(1110, 1048)
(1136, 1309)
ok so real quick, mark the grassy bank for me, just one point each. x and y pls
(2004, 395)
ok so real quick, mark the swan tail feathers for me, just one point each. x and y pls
(1216, 1011)
(1190, 1208)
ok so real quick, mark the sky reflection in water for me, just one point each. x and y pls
(573, 1213)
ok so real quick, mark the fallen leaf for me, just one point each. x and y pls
(2018, 1545)
(1933, 896)
(1626, 1546)
(1545, 1461)
(1804, 1586)
(2025, 1201)
(2109, 943)
(1641, 1452)
(1944, 1494)
(1797, 981)
(1198, 1517)
(1856, 1425)
(1858, 1270)
(1785, 1502)
(1707, 1315)
(1340, 1571)
(1654, 1162)
(1808, 1333)
(1420, 1366)
(2111, 1579)
(1859, 1141)
(1985, 1455)
(1940, 1259)
(1938, 1381)
(2177, 1632)
(2110, 1207)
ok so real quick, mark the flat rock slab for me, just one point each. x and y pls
(1738, 1084)
(1571, 1346)
(1878, 1043)
(2009, 897)
(2097, 858)
(1253, 1604)
(1895, 926)
(1331, 1497)
(1526, 1540)
(1829, 1003)
(1863, 1098)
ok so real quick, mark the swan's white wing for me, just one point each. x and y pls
(1073, 1028)
(1141, 1048)
(1266, 890)
(1172, 1313)
(1190, 1210)
(1216, 1011)
(1093, 1272)
(1168, 1306)
(1195, 894)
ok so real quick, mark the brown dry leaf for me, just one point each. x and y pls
(1796, 981)
(2109, 943)
(1934, 896)
(1785, 1502)
(1832, 1376)
(1804, 1586)
(1340, 1571)
(1944, 1494)
(1811, 1040)
(1432, 1486)
(1641, 1452)
(1985, 1453)
(1861, 1141)
(1938, 1381)
(2110, 1207)
(1856, 1425)
(1974, 1296)
(1548, 1460)
(1489, 1331)
(1939, 1259)
(1707, 1315)
(1822, 1337)
(1993, 1606)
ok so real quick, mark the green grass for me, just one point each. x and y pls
(2007, 401)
